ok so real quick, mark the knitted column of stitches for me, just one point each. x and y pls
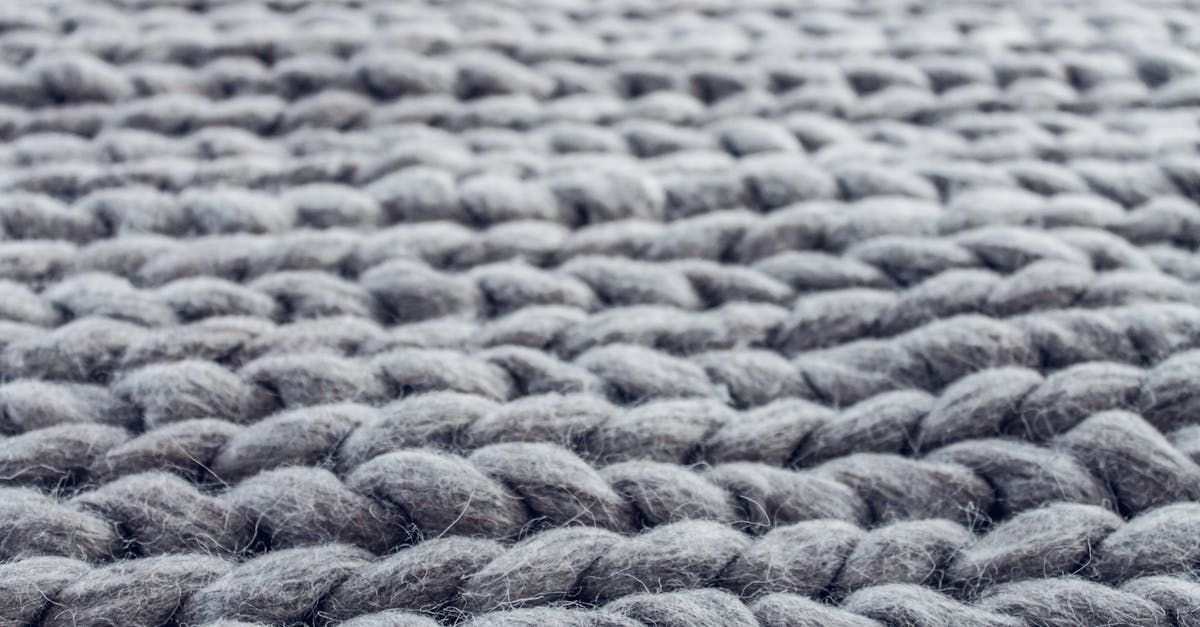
(623, 313)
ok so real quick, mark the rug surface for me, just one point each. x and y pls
(620, 313)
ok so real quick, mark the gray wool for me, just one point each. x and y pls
(425, 578)
(30, 404)
(187, 447)
(220, 339)
(543, 568)
(413, 371)
(753, 378)
(959, 346)
(856, 371)
(318, 337)
(1070, 336)
(28, 585)
(883, 424)
(660, 493)
(826, 320)
(907, 604)
(298, 506)
(312, 294)
(158, 513)
(665, 431)
(1059, 539)
(134, 592)
(34, 525)
(307, 436)
(86, 349)
(806, 271)
(104, 295)
(552, 617)
(536, 327)
(511, 286)
(719, 284)
(770, 496)
(409, 291)
(792, 610)
(1160, 541)
(679, 556)
(535, 372)
(199, 298)
(1067, 397)
(765, 434)
(301, 380)
(1023, 476)
(58, 455)
(22, 304)
(610, 314)
(391, 618)
(1134, 458)
(953, 292)
(432, 493)
(190, 390)
(1176, 595)
(913, 552)
(325, 205)
(895, 488)
(1069, 601)
(1186, 440)
(434, 419)
(1165, 399)
(555, 486)
(566, 419)
(251, 591)
(804, 558)
(634, 374)
(690, 607)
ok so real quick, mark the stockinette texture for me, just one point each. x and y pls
(571, 313)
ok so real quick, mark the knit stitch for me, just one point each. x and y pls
(635, 313)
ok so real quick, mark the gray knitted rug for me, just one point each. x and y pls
(599, 313)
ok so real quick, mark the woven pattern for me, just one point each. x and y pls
(575, 313)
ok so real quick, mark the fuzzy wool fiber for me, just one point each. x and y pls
(619, 313)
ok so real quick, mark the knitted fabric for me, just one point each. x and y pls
(599, 313)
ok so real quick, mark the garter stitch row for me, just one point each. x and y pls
(635, 313)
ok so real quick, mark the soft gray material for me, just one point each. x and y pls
(614, 314)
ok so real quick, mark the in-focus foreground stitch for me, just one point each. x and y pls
(634, 313)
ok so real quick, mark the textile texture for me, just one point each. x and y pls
(599, 313)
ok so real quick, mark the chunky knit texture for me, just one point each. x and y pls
(624, 313)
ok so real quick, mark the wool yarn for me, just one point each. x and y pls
(636, 313)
